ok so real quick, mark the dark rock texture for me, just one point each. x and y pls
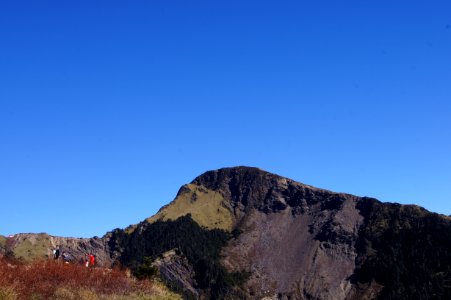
(296, 241)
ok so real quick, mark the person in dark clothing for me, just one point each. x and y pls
(56, 253)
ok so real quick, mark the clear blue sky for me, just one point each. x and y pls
(108, 107)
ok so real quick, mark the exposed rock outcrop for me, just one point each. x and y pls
(307, 232)
(177, 272)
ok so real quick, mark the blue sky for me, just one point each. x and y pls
(108, 107)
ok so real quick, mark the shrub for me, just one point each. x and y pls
(146, 270)
(50, 280)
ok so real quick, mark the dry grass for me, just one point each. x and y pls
(50, 280)
(208, 208)
(34, 247)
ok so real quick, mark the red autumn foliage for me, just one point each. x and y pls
(43, 278)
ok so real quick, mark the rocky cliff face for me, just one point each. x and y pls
(296, 241)
(300, 242)
(246, 233)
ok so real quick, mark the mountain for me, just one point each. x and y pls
(245, 233)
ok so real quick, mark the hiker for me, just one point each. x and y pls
(66, 257)
(56, 253)
(86, 260)
(92, 260)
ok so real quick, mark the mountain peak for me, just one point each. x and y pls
(230, 180)
(244, 187)
(231, 172)
(253, 188)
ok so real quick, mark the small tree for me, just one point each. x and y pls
(146, 270)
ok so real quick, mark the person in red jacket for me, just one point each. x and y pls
(92, 260)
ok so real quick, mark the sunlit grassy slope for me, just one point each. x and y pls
(208, 208)
(36, 246)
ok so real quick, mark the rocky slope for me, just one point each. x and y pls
(282, 223)
(245, 233)
(31, 246)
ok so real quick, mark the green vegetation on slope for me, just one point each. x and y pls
(200, 246)
(406, 249)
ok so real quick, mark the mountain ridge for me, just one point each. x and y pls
(247, 233)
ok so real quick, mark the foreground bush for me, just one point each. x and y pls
(50, 280)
